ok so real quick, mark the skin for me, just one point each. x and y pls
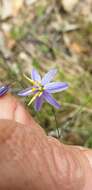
(29, 160)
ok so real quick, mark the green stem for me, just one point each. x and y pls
(53, 110)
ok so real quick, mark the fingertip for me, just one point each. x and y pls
(8, 105)
(12, 109)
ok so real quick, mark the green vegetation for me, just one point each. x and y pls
(39, 42)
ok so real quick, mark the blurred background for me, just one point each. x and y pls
(51, 33)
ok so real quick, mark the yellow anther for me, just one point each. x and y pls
(33, 89)
(40, 94)
(29, 80)
(32, 81)
(34, 97)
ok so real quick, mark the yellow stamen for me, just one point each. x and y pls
(29, 80)
(34, 97)
(33, 89)
(40, 93)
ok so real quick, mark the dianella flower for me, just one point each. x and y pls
(41, 89)
(4, 89)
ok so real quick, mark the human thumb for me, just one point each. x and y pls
(29, 160)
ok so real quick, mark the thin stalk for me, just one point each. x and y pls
(56, 122)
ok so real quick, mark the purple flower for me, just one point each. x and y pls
(4, 90)
(41, 89)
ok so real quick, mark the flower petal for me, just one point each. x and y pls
(26, 92)
(35, 75)
(38, 103)
(49, 76)
(51, 100)
(56, 87)
(4, 90)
